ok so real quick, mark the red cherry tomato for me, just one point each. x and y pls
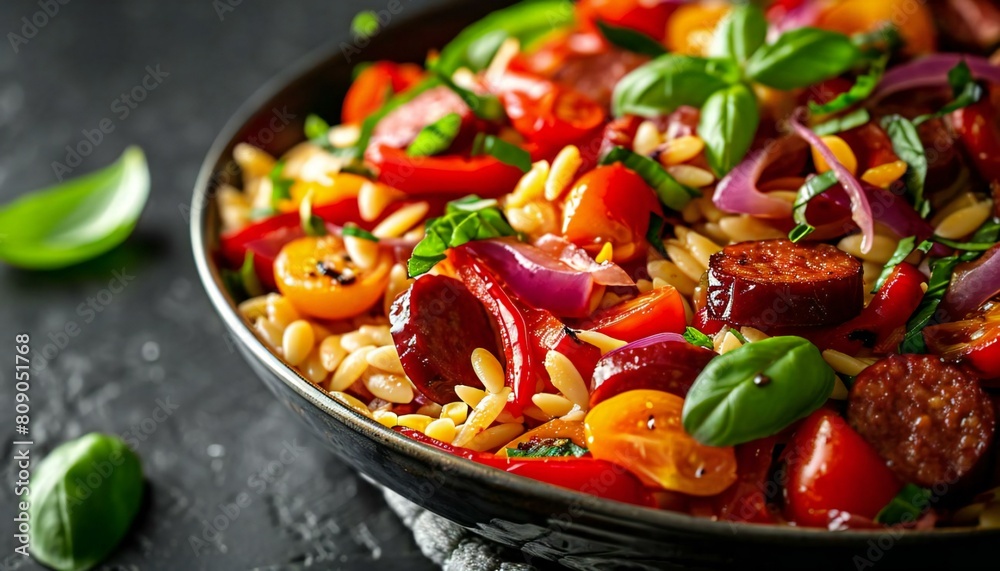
(831, 467)
(646, 17)
(978, 128)
(610, 204)
(657, 311)
(454, 175)
(974, 342)
(374, 85)
(746, 500)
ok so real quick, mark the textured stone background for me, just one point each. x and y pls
(157, 343)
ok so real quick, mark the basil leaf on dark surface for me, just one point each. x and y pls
(863, 87)
(728, 122)
(906, 507)
(756, 391)
(695, 337)
(436, 137)
(476, 45)
(546, 448)
(671, 193)
(631, 40)
(654, 235)
(842, 123)
(459, 225)
(669, 81)
(740, 33)
(84, 496)
(502, 151)
(802, 57)
(77, 219)
(941, 271)
(908, 147)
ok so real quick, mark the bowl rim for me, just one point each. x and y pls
(202, 208)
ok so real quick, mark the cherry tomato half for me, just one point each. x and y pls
(319, 278)
(978, 128)
(610, 204)
(641, 430)
(657, 311)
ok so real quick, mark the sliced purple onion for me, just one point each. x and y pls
(973, 284)
(578, 259)
(932, 71)
(647, 341)
(861, 210)
(738, 192)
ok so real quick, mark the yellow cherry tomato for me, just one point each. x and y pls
(690, 27)
(913, 20)
(642, 431)
(321, 280)
(552, 429)
(343, 185)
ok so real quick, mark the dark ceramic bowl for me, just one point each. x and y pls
(543, 521)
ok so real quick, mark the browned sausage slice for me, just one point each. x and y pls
(436, 325)
(931, 422)
(777, 283)
(669, 366)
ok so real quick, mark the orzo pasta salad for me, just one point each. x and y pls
(738, 261)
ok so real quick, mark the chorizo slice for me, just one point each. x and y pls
(670, 366)
(777, 283)
(930, 421)
(436, 325)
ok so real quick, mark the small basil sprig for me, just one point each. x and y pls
(466, 219)
(667, 82)
(813, 187)
(909, 148)
(84, 496)
(728, 123)
(671, 193)
(631, 40)
(436, 137)
(905, 247)
(863, 87)
(697, 338)
(855, 118)
(547, 448)
(756, 391)
(78, 219)
(906, 507)
(501, 150)
(802, 57)
(316, 128)
(740, 33)
(965, 91)
(476, 45)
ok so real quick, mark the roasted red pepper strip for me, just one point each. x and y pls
(880, 325)
(455, 175)
(374, 85)
(514, 333)
(588, 475)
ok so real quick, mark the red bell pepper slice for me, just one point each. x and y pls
(373, 86)
(831, 467)
(588, 475)
(881, 325)
(455, 175)
(657, 311)
(746, 499)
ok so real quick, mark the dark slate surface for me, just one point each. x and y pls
(156, 344)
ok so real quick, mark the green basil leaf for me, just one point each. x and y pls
(964, 246)
(941, 271)
(631, 40)
(502, 151)
(906, 507)
(436, 137)
(695, 337)
(357, 232)
(802, 57)
(84, 496)
(903, 249)
(393, 103)
(855, 118)
(863, 87)
(728, 123)
(739, 336)
(365, 24)
(77, 219)
(800, 231)
(529, 22)
(669, 81)
(655, 233)
(671, 193)
(486, 107)
(460, 224)
(908, 147)
(248, 277)
(965, 92)
(316, 128)
(740, 33)
(546, 448)
(756, 391)
(281, 187)
(813, 187)
(988, 233)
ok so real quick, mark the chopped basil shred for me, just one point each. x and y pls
(739, 336)
(502, 151)
(905, 247)
(243, 283)
(908, 147)
(655, 233)
(391, 104)
(460, 224)
(964, 89)
(312, 225)
(906, 507)
(486, 107)
(812, 188)
(316, 129)
(800, 231)
(436, 137)
(695, 337)
(941, 270)
(281, 187)
(358, 232)
(671, 193)
(863, 87)
(546, 448)
(630, 40)
(855, 118)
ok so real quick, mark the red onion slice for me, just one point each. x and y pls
(972, 284)
(932, 71)
(577, 258)
(738, 192)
